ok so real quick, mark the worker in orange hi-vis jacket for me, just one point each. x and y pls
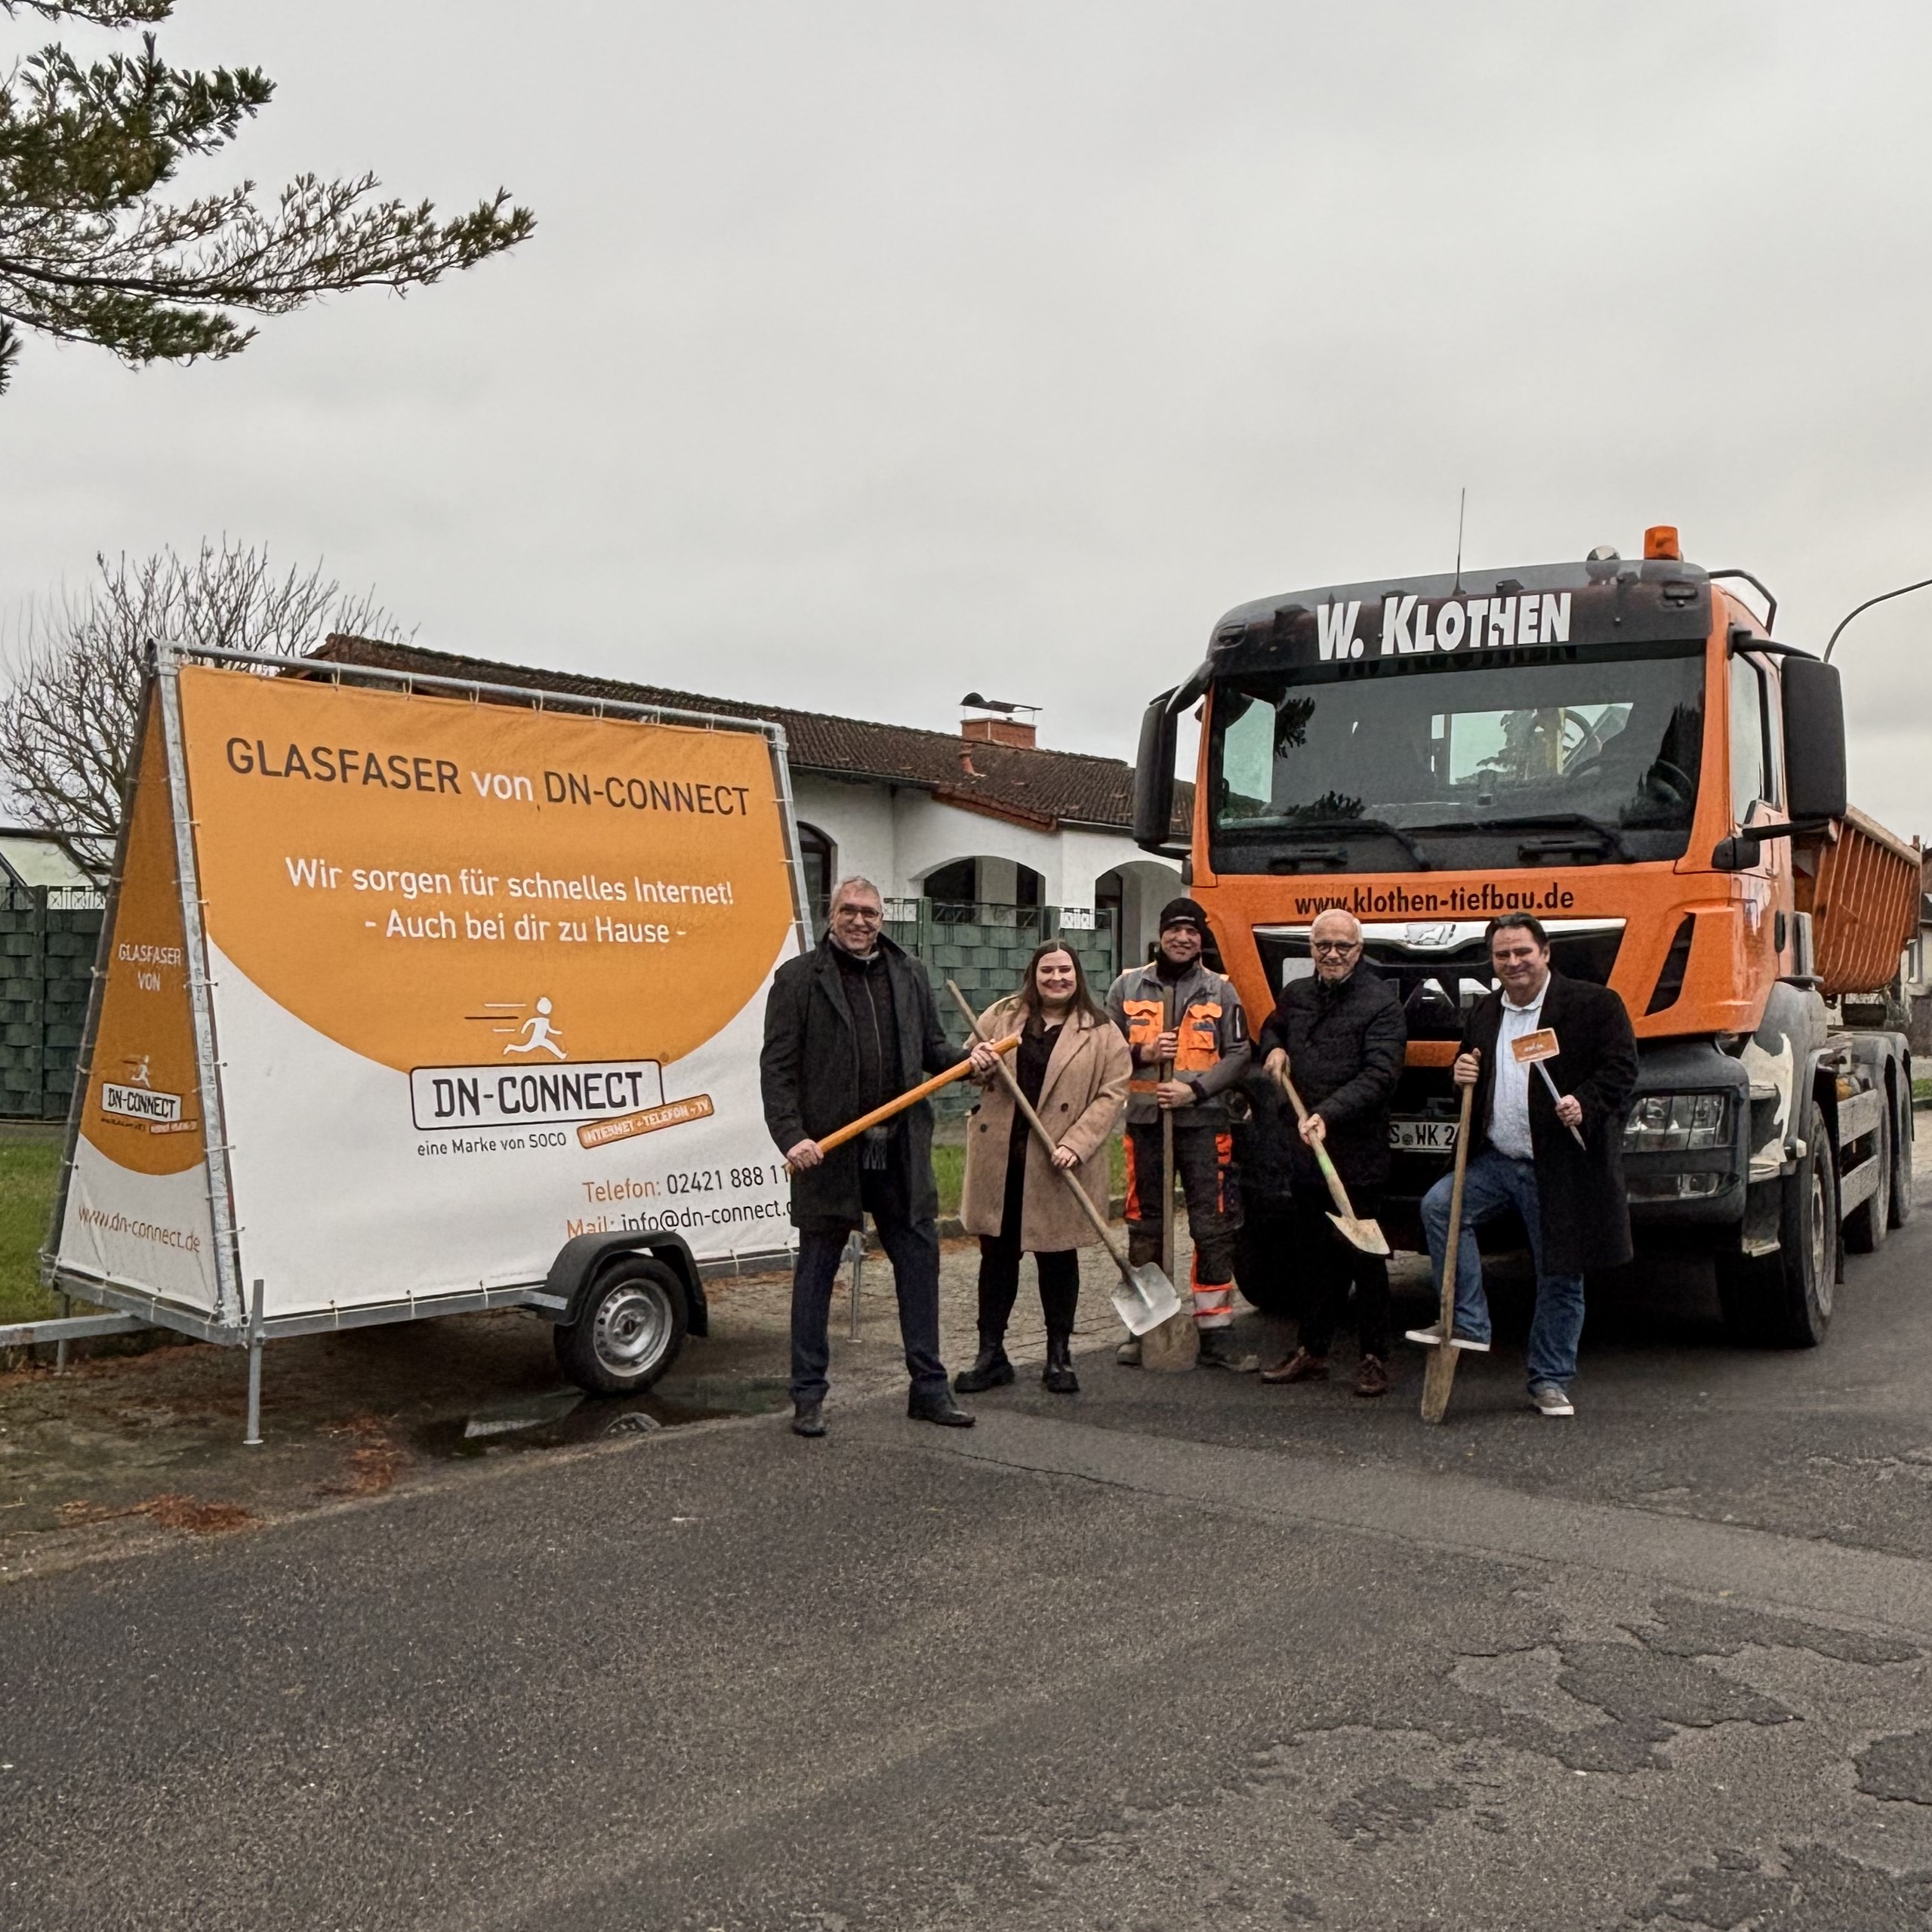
(1208, 1045)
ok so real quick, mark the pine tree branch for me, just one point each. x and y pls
(100, 13)
(88, 253)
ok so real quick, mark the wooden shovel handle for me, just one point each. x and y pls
(1337, 1192)
(840, 1135)
(1167, 1147)
(1456, 1216)
(1040, 1130)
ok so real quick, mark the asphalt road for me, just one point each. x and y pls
(1182, 1653)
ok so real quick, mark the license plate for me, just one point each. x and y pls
(1422, 1136)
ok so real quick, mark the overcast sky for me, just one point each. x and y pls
(868, 353)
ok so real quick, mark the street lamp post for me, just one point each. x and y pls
(1923, 583)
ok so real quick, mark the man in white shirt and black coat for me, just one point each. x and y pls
(1552, 1148)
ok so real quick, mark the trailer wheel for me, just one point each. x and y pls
(1866, 1226)
(629, 1328)
(1784, 1300)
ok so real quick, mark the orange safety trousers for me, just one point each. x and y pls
(1204, 1161)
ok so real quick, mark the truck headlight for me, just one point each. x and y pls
(1677, 1123)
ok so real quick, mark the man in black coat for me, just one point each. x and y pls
(1550, 1147)
(848, 1027)
(1340, 1036)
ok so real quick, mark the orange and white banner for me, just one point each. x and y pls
(460, 954)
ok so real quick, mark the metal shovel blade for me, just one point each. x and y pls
(1367, 1235)
(1145, 1298)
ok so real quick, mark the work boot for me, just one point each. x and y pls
(806, 1419)
(1300, 1366)
(1128, 1353)
(1059, 1373)
(991, 1369)
(1277, 1347)
(1371, 1376)
(1219, 1350)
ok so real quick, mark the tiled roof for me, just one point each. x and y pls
(1030, 787)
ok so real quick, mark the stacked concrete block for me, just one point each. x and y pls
(46, 968)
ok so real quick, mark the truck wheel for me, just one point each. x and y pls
(1866, 1226)
(1902, 1200)
(1784, 1300)
(629, 1326)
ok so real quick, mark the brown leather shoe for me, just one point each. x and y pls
(1371, 1377)
(1300, 1366)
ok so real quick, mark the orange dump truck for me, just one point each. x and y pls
(1621, 747)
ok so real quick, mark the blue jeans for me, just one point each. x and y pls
(912, 1246)
(1494, 1182)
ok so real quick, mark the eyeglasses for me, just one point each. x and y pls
(870, 915)
(1336, 946)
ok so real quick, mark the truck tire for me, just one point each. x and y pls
(1784, 1300)
(1902, 1188)
(1866, 1226)
(629, 1326)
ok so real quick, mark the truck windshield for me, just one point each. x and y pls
(1401, 763)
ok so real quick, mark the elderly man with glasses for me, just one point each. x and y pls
(1339, 1034)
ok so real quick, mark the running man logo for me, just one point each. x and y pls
(537, 1034)
(1476, 624)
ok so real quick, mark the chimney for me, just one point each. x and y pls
(1004, 727)
(998, 731)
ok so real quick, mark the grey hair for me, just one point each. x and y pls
(1336, 912)
(853, 882)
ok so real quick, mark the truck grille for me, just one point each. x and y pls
(1441, 968)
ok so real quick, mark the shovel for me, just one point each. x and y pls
(852, 1129)
(1145, 1297)
(1439, 1376)
(1367, 1235)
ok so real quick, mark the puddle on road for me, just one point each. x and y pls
(558, 1417)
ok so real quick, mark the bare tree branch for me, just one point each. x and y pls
(75, 668)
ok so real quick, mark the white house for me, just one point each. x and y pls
(984, 828)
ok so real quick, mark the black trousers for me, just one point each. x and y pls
(912, 1246)
(1058, 1269)
(1330, 1265)
(1265, 1257)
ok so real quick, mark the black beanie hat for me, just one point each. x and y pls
(1178, 912)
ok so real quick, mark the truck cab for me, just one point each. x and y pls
(1621, 747)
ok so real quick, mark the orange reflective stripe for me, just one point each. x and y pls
(1133, 1208)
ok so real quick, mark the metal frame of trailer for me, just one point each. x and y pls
(239, 1322)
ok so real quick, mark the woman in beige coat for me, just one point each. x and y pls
(1073, 1066)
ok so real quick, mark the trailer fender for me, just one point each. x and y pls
(584, 1257)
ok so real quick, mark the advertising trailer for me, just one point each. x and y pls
(418, 997)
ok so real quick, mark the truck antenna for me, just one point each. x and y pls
(1463, 504)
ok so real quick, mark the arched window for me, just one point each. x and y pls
(820, 855)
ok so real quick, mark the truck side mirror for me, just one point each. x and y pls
(1814, 740)
(1736, 854)
(1154, 778)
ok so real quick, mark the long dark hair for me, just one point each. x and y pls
(1083, 1001)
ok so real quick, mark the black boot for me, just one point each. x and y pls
(991, 1369)
(937, 1407)
(1059, 1373)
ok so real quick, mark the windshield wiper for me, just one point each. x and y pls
(1610, 838)
(1320, 828)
